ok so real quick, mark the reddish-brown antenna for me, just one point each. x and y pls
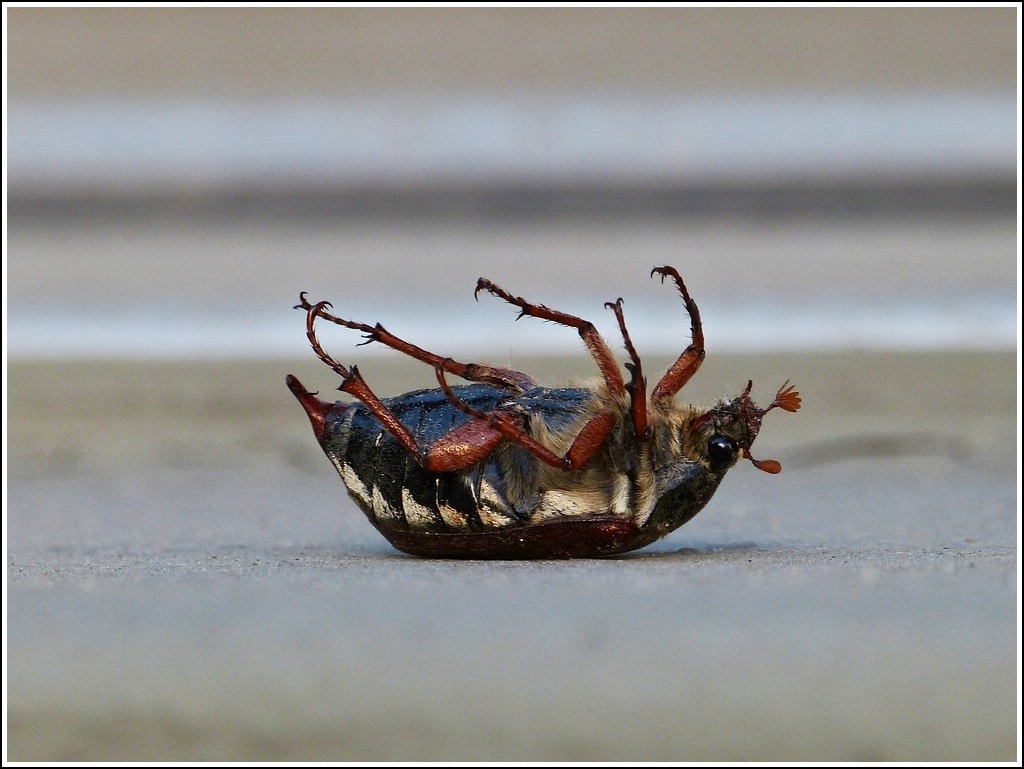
(787, 399)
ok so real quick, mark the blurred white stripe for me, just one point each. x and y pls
(409, 139)
(968, 323)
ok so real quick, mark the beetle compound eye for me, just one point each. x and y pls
(721, 451)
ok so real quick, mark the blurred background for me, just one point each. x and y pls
(824, 179)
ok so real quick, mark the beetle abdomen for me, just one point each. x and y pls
(394, 490)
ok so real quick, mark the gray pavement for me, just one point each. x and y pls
(187, 580)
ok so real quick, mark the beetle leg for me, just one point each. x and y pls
(473, 372)
(584, 446)
(686, 365)
(595, 344)
(353, 383)
(462, 447)
(637, 384)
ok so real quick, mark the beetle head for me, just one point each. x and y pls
(730, 428)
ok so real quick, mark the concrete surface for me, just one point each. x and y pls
(187, 580)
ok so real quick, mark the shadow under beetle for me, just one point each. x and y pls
(503, 468)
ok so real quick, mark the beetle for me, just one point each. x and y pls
(504, 468)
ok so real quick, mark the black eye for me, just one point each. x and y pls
(721, 451)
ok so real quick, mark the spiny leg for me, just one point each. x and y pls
(354, 384)
(584, 446)
(637, 385)
(680, 372)
(473, 372)
(462, 447)
(606, 362)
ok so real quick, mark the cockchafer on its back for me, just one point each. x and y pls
(503, 468)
